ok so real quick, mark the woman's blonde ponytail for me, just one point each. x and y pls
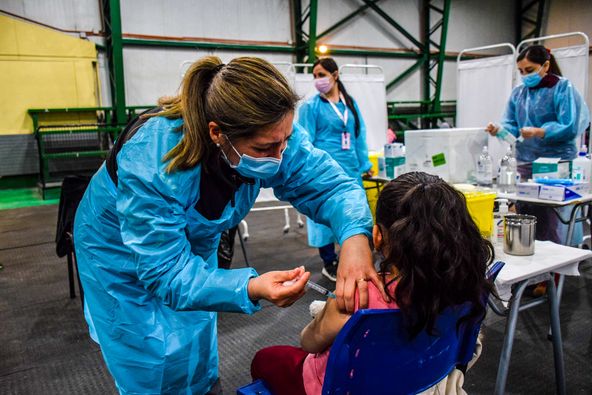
(242, 97)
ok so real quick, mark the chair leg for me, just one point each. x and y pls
(71, 276)
(80, 290)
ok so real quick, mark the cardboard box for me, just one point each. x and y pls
(528, 189)
(551, 168)
(560, 193)
(394, 166)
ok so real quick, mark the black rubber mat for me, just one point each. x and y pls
(45, 348)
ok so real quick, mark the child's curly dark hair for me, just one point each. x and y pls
(436, 247)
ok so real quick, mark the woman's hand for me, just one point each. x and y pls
(354, 271)
(529, 132)
(492, 129)
(369, 173)
(270, 286)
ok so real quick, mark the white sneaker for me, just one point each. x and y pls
(330, 271)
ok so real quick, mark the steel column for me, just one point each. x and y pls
(529, 18)
(114, 44)
(425, 93)
(443, 25)
(297, 31)
(434, 55)
(312, 31)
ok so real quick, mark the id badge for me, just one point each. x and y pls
(345, 140)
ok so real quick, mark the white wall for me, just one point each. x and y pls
(153, 72)
(83, 15)
(566, 16)
(263, 20)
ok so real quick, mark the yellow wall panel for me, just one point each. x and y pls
(86, 83)
(28, 39)
(8, 41)
(41, 68)
(34, 84)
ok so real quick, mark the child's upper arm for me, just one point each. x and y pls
(320, 333)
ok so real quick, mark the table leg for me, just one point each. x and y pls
(560, 282)
(504, 363)
(556, 335)
(571, 225)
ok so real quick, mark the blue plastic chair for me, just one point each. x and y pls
(257, 387)
(373, 353)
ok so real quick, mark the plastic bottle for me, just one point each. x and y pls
(581, 169)
(505, 135)
(484, 168)
(513, 174)
(498, 222)
(507, 174)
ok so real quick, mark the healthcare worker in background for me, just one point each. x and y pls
(550, 114)
(335, 125)
(148, 227)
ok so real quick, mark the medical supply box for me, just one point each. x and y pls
(528, 189)
(560, 193)
(551, 168)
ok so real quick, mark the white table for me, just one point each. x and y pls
(582, 202)
(512, 280)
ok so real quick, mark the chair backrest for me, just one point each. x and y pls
(373, 352)
(73, 188)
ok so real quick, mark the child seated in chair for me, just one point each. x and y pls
(434, 257)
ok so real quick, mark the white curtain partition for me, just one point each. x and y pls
(573, 62)
(484, 87)
(304, 87)
(369, 91)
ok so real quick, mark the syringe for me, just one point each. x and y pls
(314, 286)
(320, 289)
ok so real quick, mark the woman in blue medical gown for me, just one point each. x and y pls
(147, 230)
(335, 125)
(550, 115)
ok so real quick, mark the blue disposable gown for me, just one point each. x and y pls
(325, 129)
(560, 110)
(148, 262)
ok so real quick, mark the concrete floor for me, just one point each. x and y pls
(44, 346)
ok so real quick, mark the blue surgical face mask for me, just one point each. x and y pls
(533, 79)
(251, 167)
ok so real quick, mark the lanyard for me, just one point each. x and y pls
(343, 116)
